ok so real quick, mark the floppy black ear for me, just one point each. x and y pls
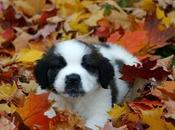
(106, 72)
(40, 73)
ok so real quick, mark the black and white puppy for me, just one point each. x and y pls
(84, 78)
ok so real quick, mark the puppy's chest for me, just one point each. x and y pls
(96, 103)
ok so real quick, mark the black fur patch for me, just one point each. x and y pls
(97, 64)
(47, 68)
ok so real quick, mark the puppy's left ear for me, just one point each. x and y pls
(106, 72)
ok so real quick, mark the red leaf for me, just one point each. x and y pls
(102, 32)
(146, 103)
(157, 33)
(33, 111)
(8, 34)
(145, 71)
(45, 15)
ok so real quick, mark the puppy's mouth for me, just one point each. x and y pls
(74, 94)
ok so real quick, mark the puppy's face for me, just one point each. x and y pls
(73, 69)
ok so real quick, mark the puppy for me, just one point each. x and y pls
(84, 77)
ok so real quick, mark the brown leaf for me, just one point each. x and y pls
(21, 41)
(144, 71)
(68, 120)
(45, 31)
(108, 126)
(45, 15)
(157, 33)
(170, 111)
(168, 88)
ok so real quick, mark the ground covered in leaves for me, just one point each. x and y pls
(145, 28)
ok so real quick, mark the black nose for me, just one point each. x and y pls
(73, 85)
(72, 79)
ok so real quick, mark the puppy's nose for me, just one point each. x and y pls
(72, 79)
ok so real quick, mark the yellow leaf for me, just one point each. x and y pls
(92, 20)
(25, 7)
(29, 55)
(7, 90)
(76, 25)
(160, 14)
(30, 7)
(117, 111)
(80, 27)
(68, 7)
(154, 120)
(6, 108)
(148, 5)
(166, 21)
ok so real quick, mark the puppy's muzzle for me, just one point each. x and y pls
(73, 85)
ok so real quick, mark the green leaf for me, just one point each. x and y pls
(125, 3)
(107, 9)
(166, 51)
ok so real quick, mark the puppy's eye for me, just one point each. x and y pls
(88, 65)
(57, 63)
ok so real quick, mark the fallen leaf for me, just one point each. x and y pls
(21, 41)
(68, 120)
(30, 7)
(24, 54)
(166, 20)
(156, 33)
(144, 71)
(7, 108)
(7, 91)
(153, 117)
(5, 124)
(117, 111)
(170, 111)
(168, 88)
(45, 31)
(108, 126)
(8, 34)
(33, 111)
(45, 16)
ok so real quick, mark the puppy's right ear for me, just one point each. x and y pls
(40, 73)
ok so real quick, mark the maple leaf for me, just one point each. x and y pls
(24, 54)
(168, 88)
(156, 33)
(117, 111)
(30, 7)
(46, 15)
(148, 102)
(5, 124)
(21, 41)
(45, 31)
(10, 18)
(33, 110)
(153, 117)
(145, 71)
(66, 119)
(8, 34)
(7, 91)
(169, 106)
(108, 126)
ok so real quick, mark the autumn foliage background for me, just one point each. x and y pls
(144, 27)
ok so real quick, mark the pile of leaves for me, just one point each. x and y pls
(145, 28)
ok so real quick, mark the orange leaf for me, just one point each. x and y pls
(168, 88)
(33, 111)
(133, 41)
(8, 34)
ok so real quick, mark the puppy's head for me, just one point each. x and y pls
(73, 68)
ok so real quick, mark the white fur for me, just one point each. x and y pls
(73, 51)
(97, 101)
(113, 53)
